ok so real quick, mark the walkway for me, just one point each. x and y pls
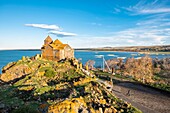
(147, 99)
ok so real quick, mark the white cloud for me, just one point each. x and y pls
(116, 10)
(137, 36)
(165, 24)
(150, 29)
(130, 37)
(44, 26)
(154, 11)
(142, 35)
(62, 34)
(144, 7)
(52, 29)
(130, 41)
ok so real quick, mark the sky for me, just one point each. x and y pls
(24, 24)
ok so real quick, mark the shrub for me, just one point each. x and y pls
(49, 73)
(140, 69)
(25, 109)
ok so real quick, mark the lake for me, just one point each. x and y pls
(7, 56)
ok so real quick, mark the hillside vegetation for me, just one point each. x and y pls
(152, 72)
(34, 85)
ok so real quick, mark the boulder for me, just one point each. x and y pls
(8, 66)
(15, 72)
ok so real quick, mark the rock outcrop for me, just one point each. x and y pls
(42, 86)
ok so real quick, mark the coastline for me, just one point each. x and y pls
(153, 52)
(98, 49)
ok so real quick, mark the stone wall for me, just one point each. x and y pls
(51, 54)
(68, 52)
(47, 53)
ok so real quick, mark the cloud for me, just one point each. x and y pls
(137, 36)
(130, 41)
(152, 27)
(62, 34)
(165, 24)
(116, 10)
(154, 11)
(140, 11)
(44, 26)
(145, 36)
(52, 29)
(145, 8)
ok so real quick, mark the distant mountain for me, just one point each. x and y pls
(157, 48)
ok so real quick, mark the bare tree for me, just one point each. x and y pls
(141, 69)
(90, 63)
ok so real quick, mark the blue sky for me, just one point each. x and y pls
(24, 24)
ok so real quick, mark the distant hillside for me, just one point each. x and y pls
(161, 48)
(156, 48)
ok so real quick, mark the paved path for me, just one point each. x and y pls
(148, 100)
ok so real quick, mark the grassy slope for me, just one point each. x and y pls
(57, 87)
(161, 86)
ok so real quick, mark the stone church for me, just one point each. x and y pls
(56, 50)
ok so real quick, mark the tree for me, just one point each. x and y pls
(90, 63)
(141, 69)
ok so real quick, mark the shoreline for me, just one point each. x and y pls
(98, 50)
(152, 52)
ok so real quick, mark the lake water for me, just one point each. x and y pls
(7, 56)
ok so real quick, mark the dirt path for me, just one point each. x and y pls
(146, 99)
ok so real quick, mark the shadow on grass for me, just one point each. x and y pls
(14, 99)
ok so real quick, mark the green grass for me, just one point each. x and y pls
(161, 86)
(8, 96)
(106, 75)
(45, 68)
(31, 108)
(21, 100)
(49, 73)
(42, 90)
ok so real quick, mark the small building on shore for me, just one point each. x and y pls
(56, 50)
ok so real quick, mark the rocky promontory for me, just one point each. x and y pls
(35, 85)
